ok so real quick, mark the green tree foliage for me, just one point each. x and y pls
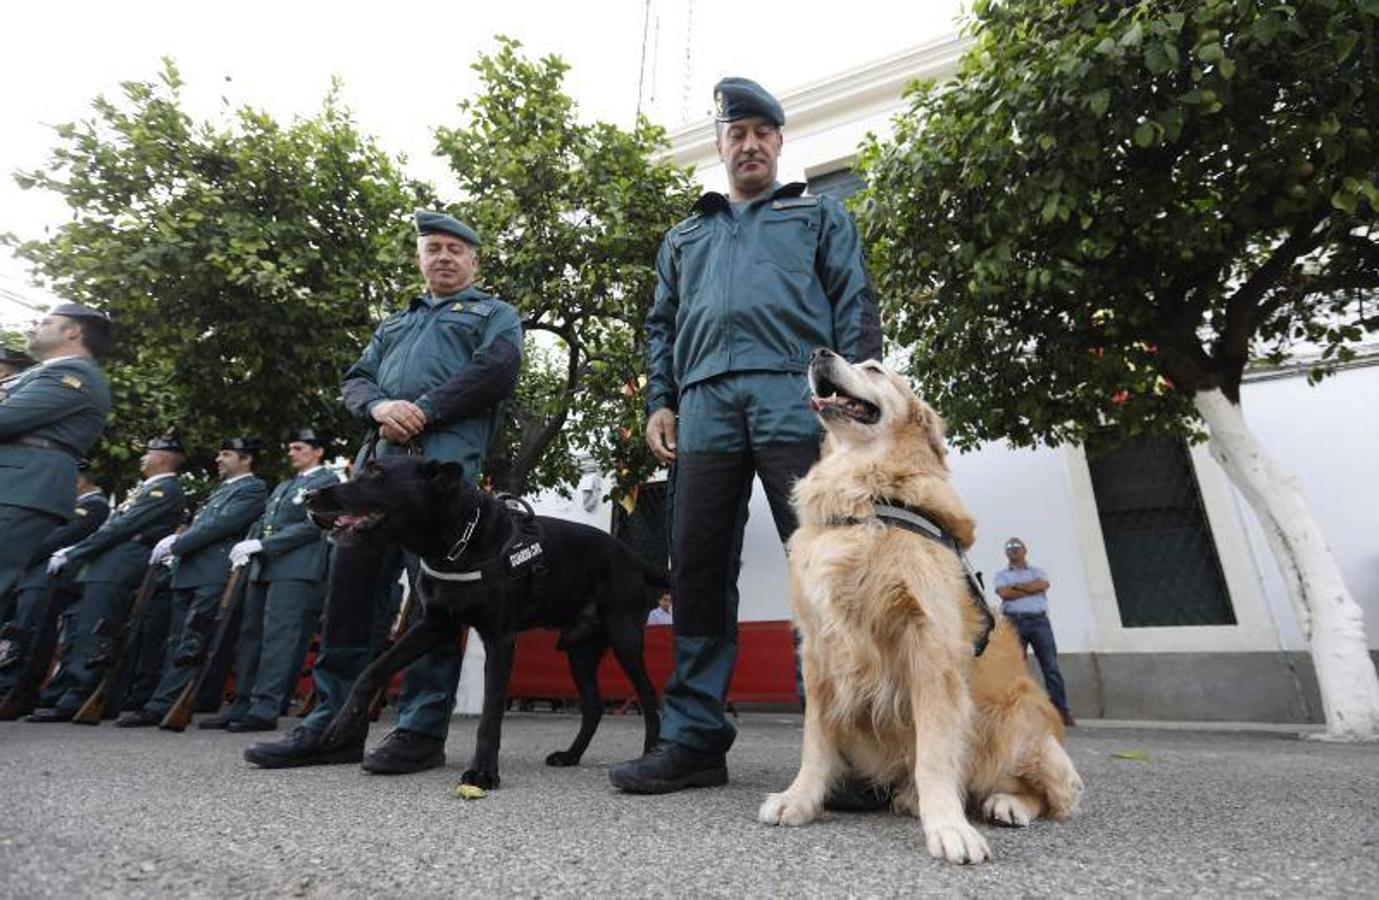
(244, 263)
(1115, 205)
(571, 215)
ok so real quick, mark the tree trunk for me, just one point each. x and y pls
(1329, 617)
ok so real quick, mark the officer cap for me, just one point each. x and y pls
(242, 445)
(310, 436)
(429, 222)
(78, 311)
(169, 442)
(17, 358)
(738, 98)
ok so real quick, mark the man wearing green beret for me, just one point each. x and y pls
(50, 415)
(12, 362)
(432, 381)
(747, 288)
(200, 562)
(287, 556)
(108, 565)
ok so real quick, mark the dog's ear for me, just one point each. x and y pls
(446, 476)
(931, 423)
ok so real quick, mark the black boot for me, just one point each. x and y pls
(138, 718)
(670, 767)
(404, 752)
(300, 747)
(857, 795)
(251, 723)
(215, 723)
(50, 714)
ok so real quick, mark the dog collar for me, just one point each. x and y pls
(901, 515)
(474, 575)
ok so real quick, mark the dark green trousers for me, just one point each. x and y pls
(75, 680)
(22, 531)
(279, 618)
(200, 602)
(731, 430)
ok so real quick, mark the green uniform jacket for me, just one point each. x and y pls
(293, 547)
(457, 358)
(63, 402)
(118, 550)
(757, 288)
(91, 512)
(203, 550)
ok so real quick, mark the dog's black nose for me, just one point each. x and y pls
(309, 496)
(821, 353)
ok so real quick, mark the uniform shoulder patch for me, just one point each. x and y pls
(794, 202)
(72, 381)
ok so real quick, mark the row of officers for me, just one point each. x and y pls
(85, 572)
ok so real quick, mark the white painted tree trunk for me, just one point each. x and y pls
(1329, 617)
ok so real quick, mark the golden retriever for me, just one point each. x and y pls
(895, 696)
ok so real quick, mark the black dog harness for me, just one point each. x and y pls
(912, 520)
(522, 554)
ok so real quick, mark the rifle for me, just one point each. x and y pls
(34, 663)
(400, 623)
(180, 715)
(120, 658)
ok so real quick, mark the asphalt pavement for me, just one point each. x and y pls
(104, 812)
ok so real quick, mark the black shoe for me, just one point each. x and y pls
(856, 795)
(300, 747)
(50, 714)
(1067, 717)
(215, 723)
(251, 723)
(138, 718)
(404, 752)
(669, 767)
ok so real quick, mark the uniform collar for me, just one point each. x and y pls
(150, 480)
(429, 300)
(715, 202)
(310, 471)
(95, 493)
(236, 478)
(56, 359)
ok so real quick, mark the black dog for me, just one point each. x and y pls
(491, 565)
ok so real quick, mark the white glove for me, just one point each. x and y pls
(162, 550)
(240, 553)
(57, 561)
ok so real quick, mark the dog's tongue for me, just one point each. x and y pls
(347, 521)
(817, 403)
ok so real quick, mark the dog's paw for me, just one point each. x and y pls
(786, 809)
(957, 842)
(562, 759)
(475, 778)
(1007, 809)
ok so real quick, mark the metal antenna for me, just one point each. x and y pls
(689, 66)
(641, 75)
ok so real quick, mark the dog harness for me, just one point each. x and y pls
(892, 512)
(521, 555)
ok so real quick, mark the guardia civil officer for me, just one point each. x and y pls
(23, 632)
(747, 287)
(50, 415)
(287, 557)
(432, 380)
(200, 560)
(108, 565)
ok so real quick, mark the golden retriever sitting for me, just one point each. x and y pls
(895, 695)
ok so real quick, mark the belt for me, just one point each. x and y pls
(44, 444)
(1026, 615)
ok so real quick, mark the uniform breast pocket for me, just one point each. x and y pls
(692, 259)
(789, 242)
(462, 330)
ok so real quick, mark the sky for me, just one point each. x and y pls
(404, 71)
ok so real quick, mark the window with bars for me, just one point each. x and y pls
(1159, 544)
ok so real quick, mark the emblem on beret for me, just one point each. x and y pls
(72, 381)
(718, 103)
(81, 512)
(155, 493)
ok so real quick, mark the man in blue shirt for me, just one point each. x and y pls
(747, 288)
(1022, 589)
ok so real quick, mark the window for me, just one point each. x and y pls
(840, 183)
(1158, 541)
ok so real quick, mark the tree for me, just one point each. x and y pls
(571, 215)
(1112, 209)
(244, 264)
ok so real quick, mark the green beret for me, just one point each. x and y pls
(17, 358)
(738, 98)
(168, 442)
(310, 436)
(439, 223)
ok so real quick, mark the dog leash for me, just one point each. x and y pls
(912, 520)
